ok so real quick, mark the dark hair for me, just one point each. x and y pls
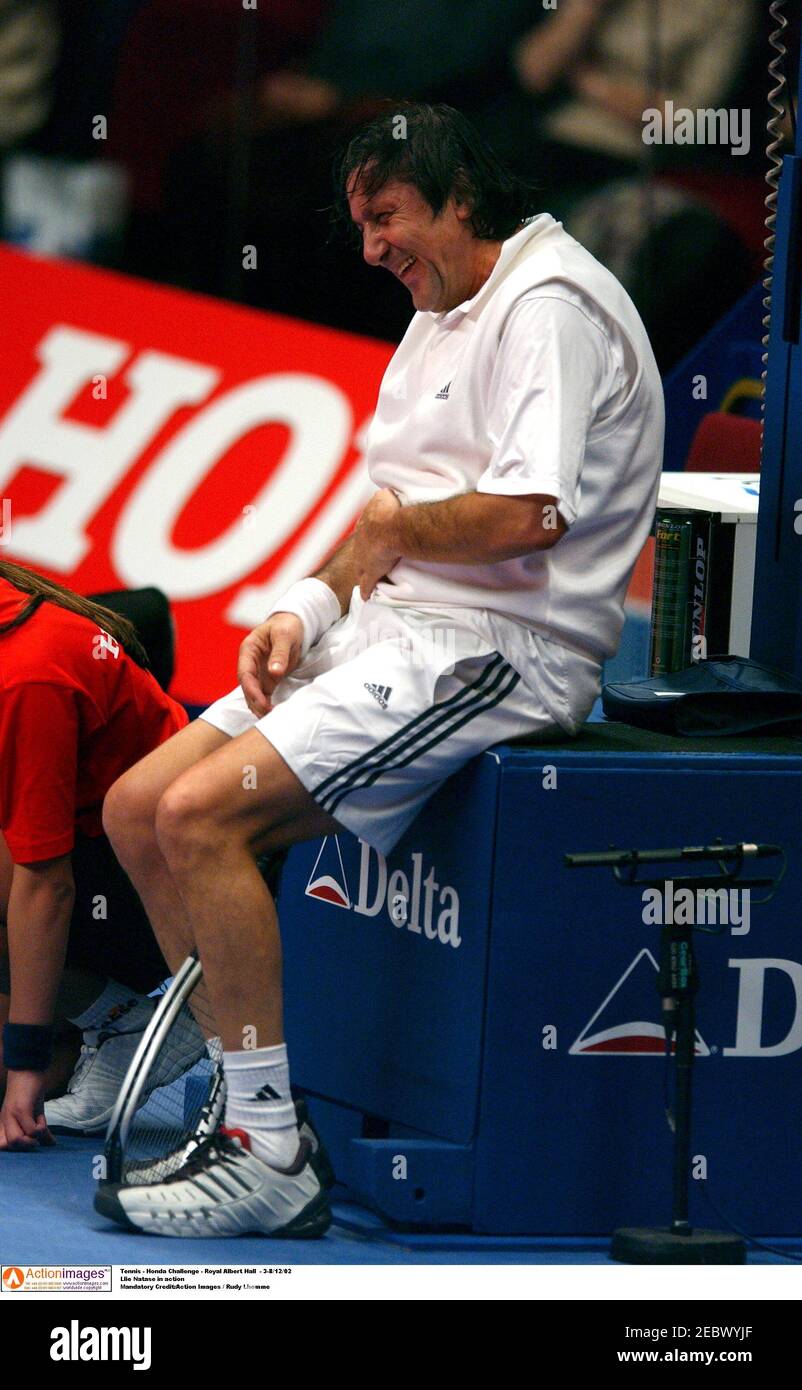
(438, 151)
(44, 590)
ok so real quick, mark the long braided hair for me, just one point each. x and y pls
(43, 590)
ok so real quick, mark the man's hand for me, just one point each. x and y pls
(22, 1118)
(268, 654)
(374, 553)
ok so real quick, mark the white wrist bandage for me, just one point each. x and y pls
(315, 604)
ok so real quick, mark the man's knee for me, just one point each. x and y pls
(186, 826)
(129, 811)
(129, 816)
(197, 820)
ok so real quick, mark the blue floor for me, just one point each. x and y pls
(47, 1218)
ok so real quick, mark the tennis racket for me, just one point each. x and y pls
(173, 1096)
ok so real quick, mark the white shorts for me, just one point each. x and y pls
(388, 704)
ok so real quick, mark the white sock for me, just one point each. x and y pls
(258, 1100)
(108, 1006)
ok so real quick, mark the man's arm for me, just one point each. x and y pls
(340, 572)
(477, 528)
(473, 528)
(273, 649)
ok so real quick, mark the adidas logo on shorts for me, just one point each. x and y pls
(381, 693)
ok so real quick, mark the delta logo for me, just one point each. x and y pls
(327, 881)
(768, 1012)
(617, 1030)
(412, 898)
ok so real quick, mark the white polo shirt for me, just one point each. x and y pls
(543, 383)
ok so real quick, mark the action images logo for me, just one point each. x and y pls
(56, 1279)
(408, 898)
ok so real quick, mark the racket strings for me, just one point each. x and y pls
(183, 1096)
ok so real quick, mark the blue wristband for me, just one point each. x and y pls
(27, 1046)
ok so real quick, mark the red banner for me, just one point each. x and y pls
(149, 436)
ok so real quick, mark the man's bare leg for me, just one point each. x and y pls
(211, 824)
(129, 818)
(86, 1105)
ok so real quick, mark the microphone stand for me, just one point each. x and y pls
(677, 985)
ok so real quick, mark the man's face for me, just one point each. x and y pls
(438, 258)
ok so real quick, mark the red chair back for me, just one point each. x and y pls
(725, 444)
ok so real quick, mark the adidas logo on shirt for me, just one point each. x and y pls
(381, 693)
(443, 395)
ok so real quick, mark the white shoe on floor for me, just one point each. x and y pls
(140, 1171)
(225, 1190)
(86, 1106)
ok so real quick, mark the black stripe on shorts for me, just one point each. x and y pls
(420, 734)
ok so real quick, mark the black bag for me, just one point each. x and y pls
(721, 695)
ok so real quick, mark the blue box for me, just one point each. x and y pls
(484, 1022)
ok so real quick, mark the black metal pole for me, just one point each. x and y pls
(677, 984)
(685, 1046)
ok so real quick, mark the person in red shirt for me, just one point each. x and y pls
(77, 709)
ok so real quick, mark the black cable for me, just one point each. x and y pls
(790, 91)
(758, 902)
(774, 156)
(723, 1220)
(750, 1240)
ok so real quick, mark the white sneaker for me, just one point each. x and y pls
(105, 1057)
(139, 1171)
(225, 1190)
